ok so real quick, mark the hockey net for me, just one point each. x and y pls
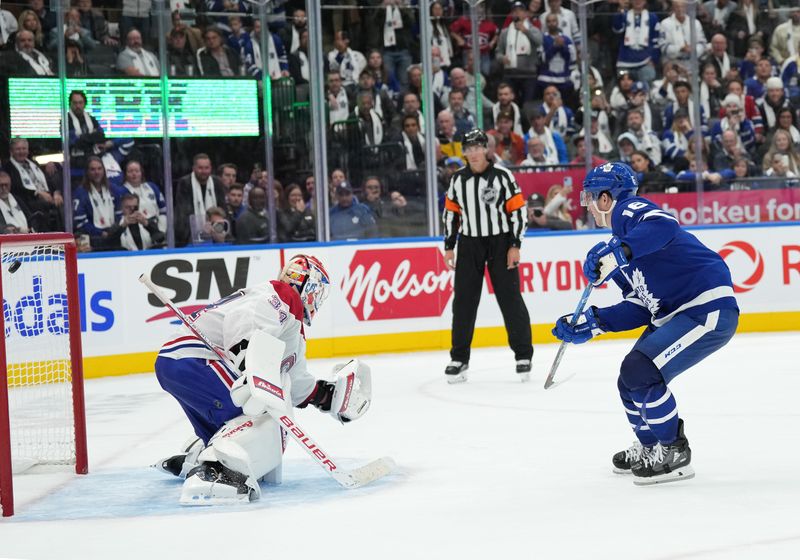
(42, 418)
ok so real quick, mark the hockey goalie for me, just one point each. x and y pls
(261, 329)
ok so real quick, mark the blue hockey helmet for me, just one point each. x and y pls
(617, 178)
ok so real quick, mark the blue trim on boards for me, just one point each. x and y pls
(385, 241)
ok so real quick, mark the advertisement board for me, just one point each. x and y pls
(391, 297)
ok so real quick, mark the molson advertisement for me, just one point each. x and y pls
(386, 297)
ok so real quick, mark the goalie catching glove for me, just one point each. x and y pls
(348, 396)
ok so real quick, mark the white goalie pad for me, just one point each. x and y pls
(352, 393)
(250, 446)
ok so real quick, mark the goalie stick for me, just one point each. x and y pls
(353, 478)
(578, 310)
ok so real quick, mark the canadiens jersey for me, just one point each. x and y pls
(229, 322)
(670, 270)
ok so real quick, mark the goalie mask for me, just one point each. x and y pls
(308, 276)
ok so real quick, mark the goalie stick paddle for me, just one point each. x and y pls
(353, 478)
(561, 349)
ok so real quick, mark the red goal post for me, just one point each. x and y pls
(42, 412)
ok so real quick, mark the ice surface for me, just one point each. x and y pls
(487, 469)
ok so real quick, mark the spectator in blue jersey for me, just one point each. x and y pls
(351, 219)
(712, 180)
(674, 286)
(638, 51)
(277, 64)
(675, 140)
(756, 86)
(231, 6)
(97, 208)
(86, 136)
(735, 120)
(559, 60)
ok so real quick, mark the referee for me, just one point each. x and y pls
(485, 206)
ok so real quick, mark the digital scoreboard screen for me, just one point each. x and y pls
(131, 107)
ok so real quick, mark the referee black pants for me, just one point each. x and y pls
(474, 255)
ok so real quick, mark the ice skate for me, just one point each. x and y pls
(181, 463)
(524, 370)
(665, 463)
(210, 484)
(456, 372)
(625, 459)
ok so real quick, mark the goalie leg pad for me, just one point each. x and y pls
(352, 392)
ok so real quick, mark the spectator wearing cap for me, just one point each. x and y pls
(735, 120)
(555, 149)
(518, 51)
(757, 85)
(510, 147)
(676, 33)
(537, 219)
(651, 178)
(580, 152)
(463, 118)
(683, 92)
(216, 58)
(348, 62)
(349, 218)
(384, 106)
(181, 59)
(675, 139)
(559, 59)
(506, 104)
(645, 139)
(785, 40)
(638, 51)
(773, 101)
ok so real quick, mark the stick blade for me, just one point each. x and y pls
(356, 478)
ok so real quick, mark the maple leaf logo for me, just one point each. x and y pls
(639, 285)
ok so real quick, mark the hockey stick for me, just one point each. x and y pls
(354, 478)
(578, 310)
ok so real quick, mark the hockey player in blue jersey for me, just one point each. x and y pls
(676, 286)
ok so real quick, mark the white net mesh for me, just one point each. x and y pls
(39, 370)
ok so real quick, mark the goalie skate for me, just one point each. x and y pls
(211, 484)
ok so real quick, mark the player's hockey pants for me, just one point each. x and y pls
(202, 387)
(474, 255)
(660, 354)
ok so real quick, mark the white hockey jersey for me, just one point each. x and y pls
(274, 307)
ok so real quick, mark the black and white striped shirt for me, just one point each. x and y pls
(485, 204)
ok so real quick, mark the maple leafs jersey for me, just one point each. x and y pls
(229, 322)
(669, 271)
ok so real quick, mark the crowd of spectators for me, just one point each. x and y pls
(527, 79)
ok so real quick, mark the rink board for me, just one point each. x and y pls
(397, 296)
